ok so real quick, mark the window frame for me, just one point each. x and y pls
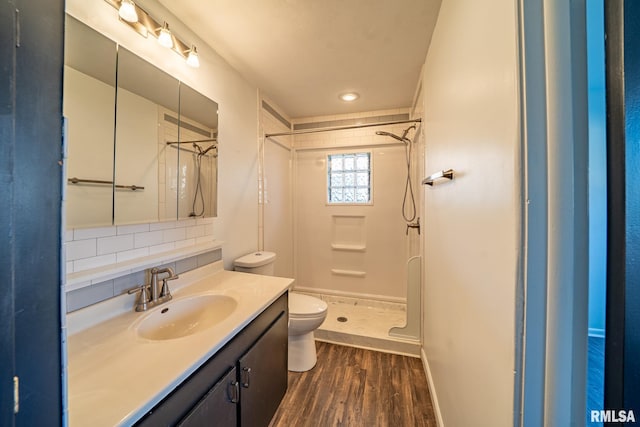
(328, 201)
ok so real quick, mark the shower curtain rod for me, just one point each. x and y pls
(365, 125)
(195, 140)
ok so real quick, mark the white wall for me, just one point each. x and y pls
(237, 218)
(471, 232)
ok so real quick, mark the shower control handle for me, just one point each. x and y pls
(413, 225)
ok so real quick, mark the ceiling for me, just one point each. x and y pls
(304, 53)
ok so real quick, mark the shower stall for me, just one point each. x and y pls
(357, 234)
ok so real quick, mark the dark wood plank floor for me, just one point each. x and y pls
(355, 387)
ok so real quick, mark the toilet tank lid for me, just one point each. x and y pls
(255, 259)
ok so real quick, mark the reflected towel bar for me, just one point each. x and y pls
(448, 174)
(75, 180)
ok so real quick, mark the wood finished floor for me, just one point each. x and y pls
(356, 387)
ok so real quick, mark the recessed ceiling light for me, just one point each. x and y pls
(349, 96)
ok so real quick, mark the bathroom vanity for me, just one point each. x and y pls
(229, 364)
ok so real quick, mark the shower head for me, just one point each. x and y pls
(402, 138)
(211, 147)
(392, 135)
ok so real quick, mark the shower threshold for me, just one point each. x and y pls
(365, 324)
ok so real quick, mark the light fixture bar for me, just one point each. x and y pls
(148, 25)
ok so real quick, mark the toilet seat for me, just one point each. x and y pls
(305, 306)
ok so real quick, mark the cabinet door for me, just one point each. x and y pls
(218, 406)
(263, 376)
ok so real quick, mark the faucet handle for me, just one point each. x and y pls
(165, 292)
(143, 299)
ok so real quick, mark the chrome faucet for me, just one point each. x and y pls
(152, 294)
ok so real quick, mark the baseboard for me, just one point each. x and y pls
(334, 292)
(594, 332)
(432, 389)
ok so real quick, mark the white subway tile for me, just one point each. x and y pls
(69, 267)
(197, 231)
(132, 254)
(185, 243)
(92, 233)
(162, 225)
(208, 229)
(161, 248)
(68, 235)
(205, 239)
(131, 229)
(93, 262)
(187, 222)
(174, 235)
(202, 221)
(80, 249)
(151, 238)
(110, 245)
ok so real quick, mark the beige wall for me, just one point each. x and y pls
(472, 223)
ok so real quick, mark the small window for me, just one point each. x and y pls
(349, 178)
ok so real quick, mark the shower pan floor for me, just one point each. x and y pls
(365, 324)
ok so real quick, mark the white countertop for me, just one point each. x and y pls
(115, 377)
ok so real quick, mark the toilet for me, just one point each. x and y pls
(306, 313)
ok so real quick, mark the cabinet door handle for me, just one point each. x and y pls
(234, 391)
(246, 377)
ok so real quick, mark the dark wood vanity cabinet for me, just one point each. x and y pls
(241, 385)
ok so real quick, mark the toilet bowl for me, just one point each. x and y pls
(306, 313)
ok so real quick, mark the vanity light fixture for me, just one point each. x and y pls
(164, 36)
(127, 11)
(349, 96)
(192, 57)
(144, 24)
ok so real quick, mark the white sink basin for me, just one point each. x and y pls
(185, 316)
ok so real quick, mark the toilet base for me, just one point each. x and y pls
(302, 352)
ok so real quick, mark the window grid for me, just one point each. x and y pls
(349, 178)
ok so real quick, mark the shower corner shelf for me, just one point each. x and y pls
(348, 248)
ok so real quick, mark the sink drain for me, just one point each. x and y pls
(342, 319)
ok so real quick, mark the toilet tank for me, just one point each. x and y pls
(256, 263)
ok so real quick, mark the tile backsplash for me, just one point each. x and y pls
(101, 291)
(94, 252)
(89, 248)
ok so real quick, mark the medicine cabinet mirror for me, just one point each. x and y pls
(143, 149)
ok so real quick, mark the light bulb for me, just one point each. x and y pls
(127, 11)
(192, 58)
(164, 37)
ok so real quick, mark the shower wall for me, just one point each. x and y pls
(352, 250)
(275, 189)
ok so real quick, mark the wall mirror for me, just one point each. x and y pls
(141, 150)
(88, 104)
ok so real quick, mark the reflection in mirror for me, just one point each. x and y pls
(145, 96)
(88, 105)
(197, 152)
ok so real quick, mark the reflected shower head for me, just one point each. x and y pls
(392, 135)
